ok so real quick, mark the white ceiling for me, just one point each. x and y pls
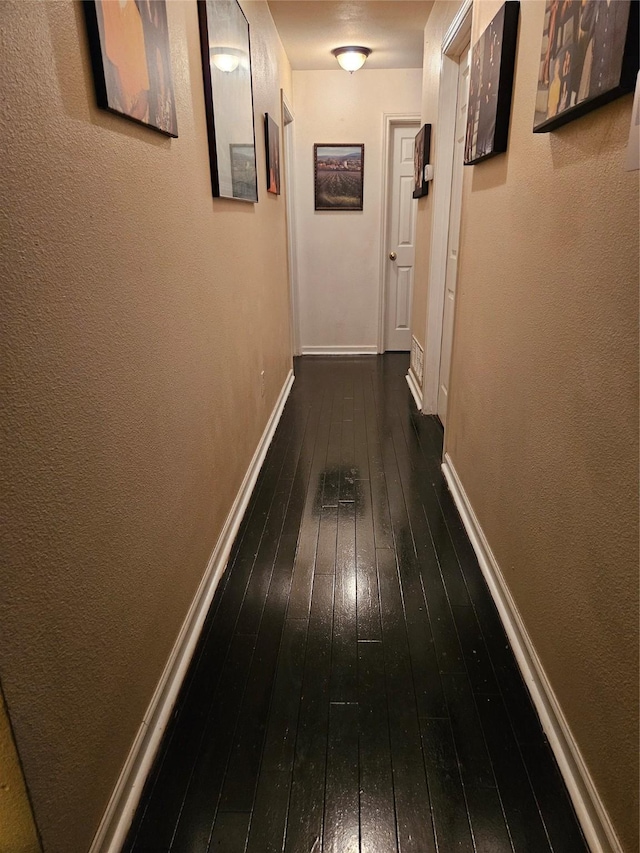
(310, 29)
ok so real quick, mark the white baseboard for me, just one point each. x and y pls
(415, 389)
(593, 817)
(119, 813)
(341, 350)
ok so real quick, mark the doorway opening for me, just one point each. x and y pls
(451, 272)
(449, 149)
(289, 196)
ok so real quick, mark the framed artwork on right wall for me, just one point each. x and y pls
(493, 59)
(589, 56)
(421, 157)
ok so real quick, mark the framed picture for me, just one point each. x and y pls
(131, 60)
(589, 56)
(421, 154)
(272, 146)
(243, 171)
(490, 85)
(338, 172)
(228, 94)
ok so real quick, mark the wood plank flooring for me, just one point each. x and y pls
(354, 690)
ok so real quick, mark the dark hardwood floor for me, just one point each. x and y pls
(354, 689)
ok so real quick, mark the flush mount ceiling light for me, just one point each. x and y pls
(351, 58)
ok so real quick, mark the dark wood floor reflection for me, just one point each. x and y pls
(354, 689)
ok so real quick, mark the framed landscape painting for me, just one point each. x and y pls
(493, 60)
(272, 146)
(338, 171)
(131, 61)
(589, 56)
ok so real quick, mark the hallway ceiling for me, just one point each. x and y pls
(310, 29)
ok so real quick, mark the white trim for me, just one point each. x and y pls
(117, 818)
(341, 350)
(595, 821)
(457, 35)
(389, 121)
(288, 142)
(414, 388)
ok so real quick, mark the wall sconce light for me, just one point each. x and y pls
(224, 59)
(351, 58)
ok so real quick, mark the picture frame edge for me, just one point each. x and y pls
(203, 30)
(507, 73)
(95, 53)
(267, 137)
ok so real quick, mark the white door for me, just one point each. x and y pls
(454, 235)
(401, 240)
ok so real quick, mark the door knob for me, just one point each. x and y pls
(392, 256)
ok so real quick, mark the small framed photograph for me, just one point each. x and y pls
(421, 155)
(272, 146)
(338, 172)
(589, 56)
(131, 60)
(243, 171)
(493, 59)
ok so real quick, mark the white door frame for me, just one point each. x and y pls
(458, 34)
(389, 121)
(290, 207)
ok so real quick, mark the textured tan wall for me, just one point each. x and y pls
(17, 830)
(543, 418)
(137, 313)
(437, 25)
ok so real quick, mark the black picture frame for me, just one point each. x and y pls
(588, 57)
(272, 148)
(421, 155)
(493, 59)
(131, 62)
(228, 93)
(338, 171)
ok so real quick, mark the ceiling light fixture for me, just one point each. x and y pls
(351, 58)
